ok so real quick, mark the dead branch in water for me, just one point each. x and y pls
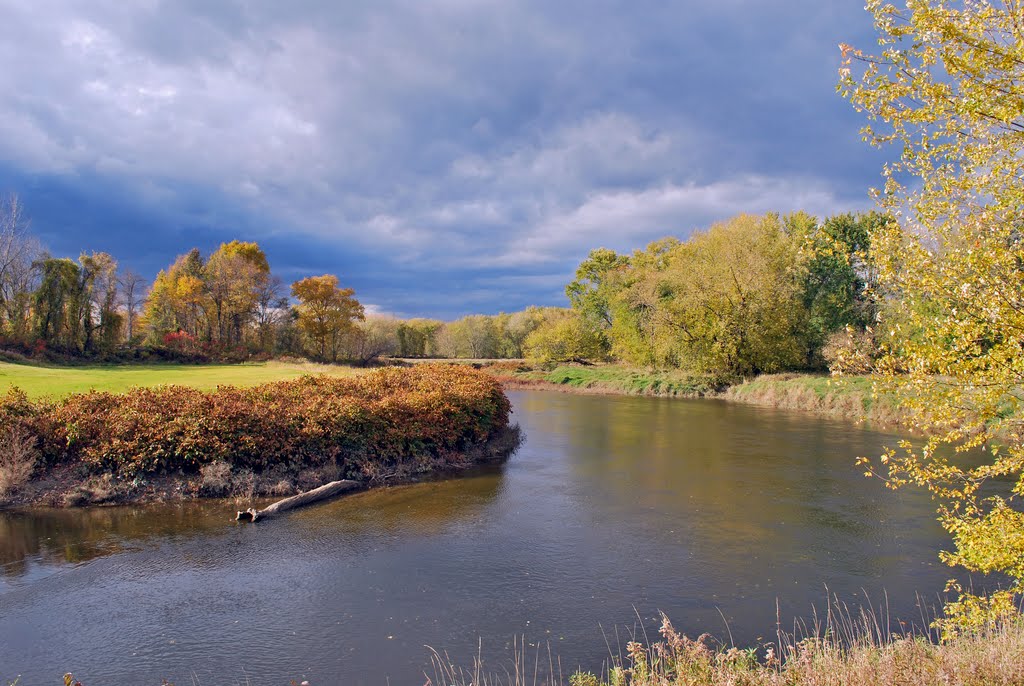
(322, 493)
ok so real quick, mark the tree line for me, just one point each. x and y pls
(226, 305)
(752, 294)
(749, 295)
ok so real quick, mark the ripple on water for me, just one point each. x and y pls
(613, 508)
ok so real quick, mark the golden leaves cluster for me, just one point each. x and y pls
(947, 89)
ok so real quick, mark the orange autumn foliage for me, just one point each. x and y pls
(363, 424)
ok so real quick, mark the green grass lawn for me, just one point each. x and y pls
(59, 381)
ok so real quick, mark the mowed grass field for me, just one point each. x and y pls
(40, 382)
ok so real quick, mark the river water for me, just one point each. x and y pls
(726, 517)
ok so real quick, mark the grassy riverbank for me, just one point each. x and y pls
(610, 379)
(848, 398)
(993, 657)
(174, 442)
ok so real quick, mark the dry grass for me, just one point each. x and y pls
(846, 650)
(18, 455)
(215, 479)
(849, 398)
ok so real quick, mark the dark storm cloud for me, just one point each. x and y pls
(442, 157)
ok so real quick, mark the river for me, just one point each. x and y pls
(723, 516)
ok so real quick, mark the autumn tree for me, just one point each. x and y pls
(177, 300)
(326, 313)
(232, 278)
(946, 88)
(18, 277)
(101, 322)
(215, 299)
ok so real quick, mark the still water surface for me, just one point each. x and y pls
(614, 508)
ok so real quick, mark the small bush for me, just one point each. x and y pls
(18, 456)
(216, 478)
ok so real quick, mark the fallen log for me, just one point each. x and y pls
(302, 499)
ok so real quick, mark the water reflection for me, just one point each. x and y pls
(48, 538)
(37, 541)
(613, 508)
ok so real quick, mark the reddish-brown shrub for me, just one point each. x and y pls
(385, 417)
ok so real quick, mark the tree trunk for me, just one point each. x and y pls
(322, 493)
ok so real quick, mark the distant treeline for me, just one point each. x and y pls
(752, 294)
(749, 295)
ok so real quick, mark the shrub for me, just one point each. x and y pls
(364, 425)
(216, 478)
(17, 458)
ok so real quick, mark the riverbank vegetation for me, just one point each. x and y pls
(846, 649)
(851, 398)
(265, 439)
(603, 378)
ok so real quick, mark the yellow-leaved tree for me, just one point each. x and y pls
(946, 88)
(326, 313)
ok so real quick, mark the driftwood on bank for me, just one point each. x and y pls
(322, 493)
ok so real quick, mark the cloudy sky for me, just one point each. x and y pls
(442, 157)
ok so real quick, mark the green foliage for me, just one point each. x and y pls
(475, 336)
(564, 336)
(630, 380)
(946, 89)
(478, 336)
(417, 337)
(59, 303)
(365, 424)
(838, 275)
(749, 295)
(590, 293)
(732, 300)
